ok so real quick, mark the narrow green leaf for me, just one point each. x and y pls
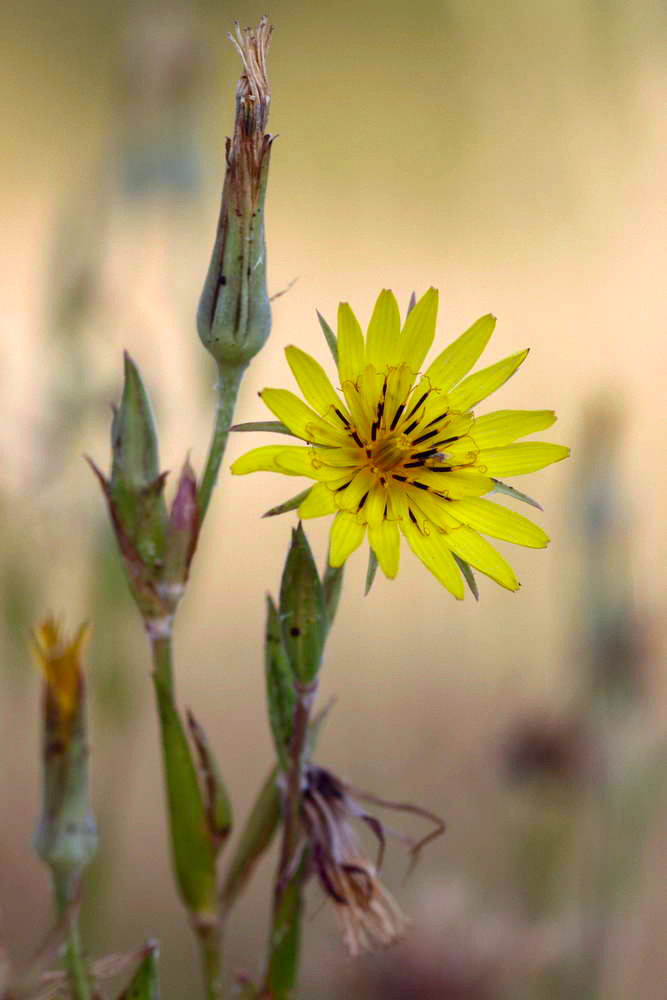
(255, 838)
(315, 728)
(332, 583)
(145, 983)
(192, 852)
(329, 335)
(468, 575)
(217, 804)
(371, 571)
(273, 426)
(510, 491)
(285, 943)
(303, 613)
(280, 691)
(288, 505)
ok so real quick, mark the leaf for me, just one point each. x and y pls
(255, 838)
(273, 426)
(329, 335)
(217, 804)
(371, 571)
(145, 984)
(332, 583)
(510, 491)
(280, 690)
(468, 575)
(288, 505)
(192, 851)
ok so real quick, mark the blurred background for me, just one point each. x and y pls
(512, 155)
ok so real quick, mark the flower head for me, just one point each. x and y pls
(59, 659)
(401, 451)
(368, 915)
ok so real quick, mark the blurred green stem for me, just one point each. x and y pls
(65, 892)
(229, 381)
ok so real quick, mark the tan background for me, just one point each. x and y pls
(513, 155)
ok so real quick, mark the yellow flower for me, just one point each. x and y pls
(402, 452)
(59, 659)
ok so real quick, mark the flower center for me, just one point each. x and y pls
(390, 451)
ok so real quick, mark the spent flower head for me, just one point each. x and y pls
(399, 450)
(368, 915)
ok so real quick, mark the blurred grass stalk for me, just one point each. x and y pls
(157, 545)
(578, 788)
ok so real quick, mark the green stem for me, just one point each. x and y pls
(210, 950)
(162, 650)
(65, 892)
(229, 381)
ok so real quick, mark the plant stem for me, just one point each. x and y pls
(162, 651)
(292, 810)
(210, 949)
(229, 380)
(65, 892)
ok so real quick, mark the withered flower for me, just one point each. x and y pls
(368, 915)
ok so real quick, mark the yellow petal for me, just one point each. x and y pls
(320, 501)
(499, 522)
(346, 536)
(384, 329)
(355, 492)
(457, 359)
(470, 546)
(419, 330)
(385, 541)
(483, 383)
(374, 506)
(351, 352)
(287, 459)
(436, 556)
(518, 459)
(493, 430)
(300, 419)
(313, 381)
(456, 484)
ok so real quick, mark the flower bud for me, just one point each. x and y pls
(66, 836)
(234, 314)
(134, 493)
(303, 612)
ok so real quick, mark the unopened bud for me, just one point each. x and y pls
(234, 314)
(134, 493)
(303, 612)
(66, 836)
(182, 533)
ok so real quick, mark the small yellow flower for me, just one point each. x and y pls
(402, 451)
(59, 659)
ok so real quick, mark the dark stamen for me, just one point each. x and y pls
(418, 403)
(449, 440)
(401, 479)
(363, 500)
(414, 465)
(420, 486)
(342, 417)
(380, 410)
(412, 516)
(440, 468)
(343, 487)
(385, 511)
(409, 430)
(425, 437)
(397, 416)
(356, 438)
(425, 454)
(374, 430)
(436, 420)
